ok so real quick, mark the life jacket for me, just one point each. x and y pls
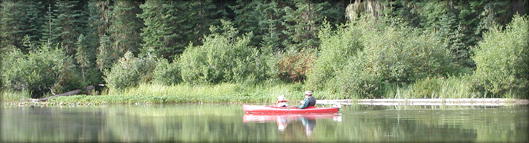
(281, 103)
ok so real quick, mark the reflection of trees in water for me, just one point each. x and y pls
(94, 125)
(413, 130)
(53, 125)
(145, 125)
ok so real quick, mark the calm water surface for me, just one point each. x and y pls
(228, 123)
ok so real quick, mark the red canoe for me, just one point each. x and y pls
(272, 118)
(286, 110)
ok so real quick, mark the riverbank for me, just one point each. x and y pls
(234, 93)
(159, 94)
(448, 102)
(71, 101)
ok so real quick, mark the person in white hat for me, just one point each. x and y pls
(281, 101)
(309, 100)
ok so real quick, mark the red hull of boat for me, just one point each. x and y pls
(272, 118)
(286, 110)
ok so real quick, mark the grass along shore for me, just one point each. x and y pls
(238, 93)
(156, 94)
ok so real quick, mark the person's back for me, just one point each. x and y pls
(309, 101)
(312, 101)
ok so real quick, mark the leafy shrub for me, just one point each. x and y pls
(129, 71)
(40, 70)
(391, 54)
(223, 58)
(336, 46)
(426, 88)
(501, 59)
(166, 73)
(293, 65)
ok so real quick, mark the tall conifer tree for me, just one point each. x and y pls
(302, 22)
(126, 26)
(68, 24)
(171, 25)
(10, 32)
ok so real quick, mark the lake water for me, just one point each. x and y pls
(228, 123)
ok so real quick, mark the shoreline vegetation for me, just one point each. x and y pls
(238, 93)
(148, 52)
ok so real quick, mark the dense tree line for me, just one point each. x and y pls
(125, 42)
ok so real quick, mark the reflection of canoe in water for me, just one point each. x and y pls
(273, 118)
(286, 110)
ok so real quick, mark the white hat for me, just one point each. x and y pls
(308, 93)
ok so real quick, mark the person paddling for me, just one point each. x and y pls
(309, 100)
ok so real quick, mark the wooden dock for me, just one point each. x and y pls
(449, 101)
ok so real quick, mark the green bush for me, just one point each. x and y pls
(42, 69)
(426, 88)
(14, 95)
(166, 73)
(294, 65)
(391, 55)
(129, 71)
(223, 58)
(502, 59)
(336, 46)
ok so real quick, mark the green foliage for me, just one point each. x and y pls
(42, 69)
(458, 23)
(126, 26)
(425, 88)
(302, 22)
(182, 93)
(86, 61)
(32, 20)
(283, 24)
(436, 87)
(106, 55)
(391, 54)
(6, 95)
(130, 71)
(83, 54)
(262, 18)
(171, 25)
(9, 30)
(166, 73)
(394, 44)
(222, 58)
(20, 19)
(98, 39)
(64, 29)
(338, 45)
(294, 65)
(502, 59)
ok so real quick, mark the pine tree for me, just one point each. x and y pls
(270, 26)
(248, 15)
(158, 33)
(171, 25)
(47, 26)
(82, 56)
(98, 52)
(202, 14)
(106, 55)
(10, 32)
(126, 26)
(68, 24)
(32, 20)
(302, 22)
(459, 23)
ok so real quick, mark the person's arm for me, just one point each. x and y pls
(305, 104)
